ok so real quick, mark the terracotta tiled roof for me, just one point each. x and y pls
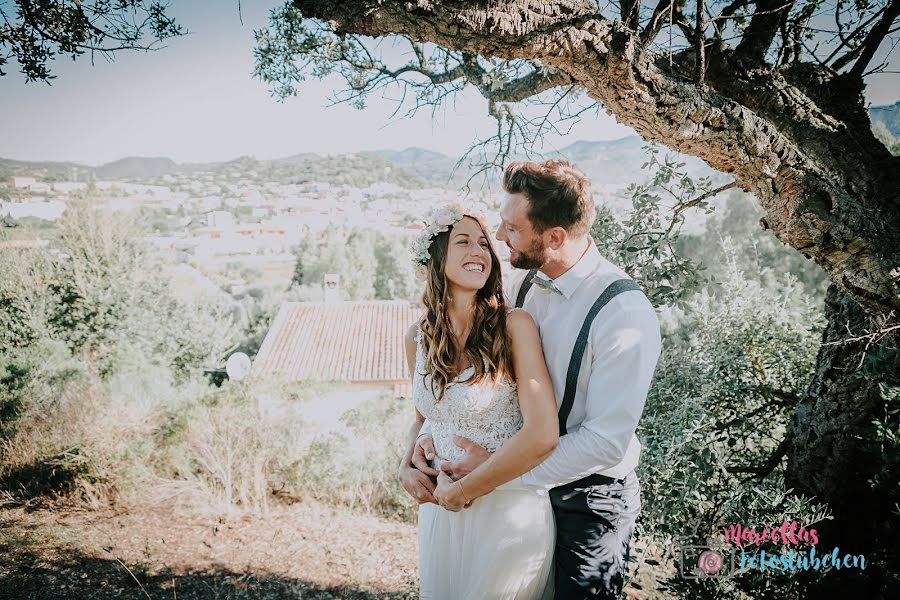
(344, 341)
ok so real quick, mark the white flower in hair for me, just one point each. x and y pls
(436, 221)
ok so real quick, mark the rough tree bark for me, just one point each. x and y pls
(833, 455)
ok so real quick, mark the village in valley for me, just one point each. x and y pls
(232, 231)
(203, 219)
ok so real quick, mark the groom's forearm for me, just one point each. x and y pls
(518, 455)
(578, 455)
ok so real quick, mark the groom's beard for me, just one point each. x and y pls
(533, 258)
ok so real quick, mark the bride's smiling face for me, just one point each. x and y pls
(469, 263)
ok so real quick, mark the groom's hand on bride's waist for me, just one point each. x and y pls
(423, 453)
(474, 456)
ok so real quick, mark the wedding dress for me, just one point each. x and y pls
(501, 547)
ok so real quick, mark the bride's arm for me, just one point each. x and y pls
(414, 481)
(540, 430)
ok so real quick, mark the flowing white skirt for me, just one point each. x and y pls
(501, 547)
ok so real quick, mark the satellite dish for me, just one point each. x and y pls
(237, 366)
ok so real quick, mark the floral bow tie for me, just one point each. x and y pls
(545, 283)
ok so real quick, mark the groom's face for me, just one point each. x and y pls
(527, 248)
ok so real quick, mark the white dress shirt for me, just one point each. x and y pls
(618, 364)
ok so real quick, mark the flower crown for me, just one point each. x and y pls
(436, 221)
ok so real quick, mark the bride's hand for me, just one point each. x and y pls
(449, 494)
(417, 484)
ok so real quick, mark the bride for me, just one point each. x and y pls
(479, 373)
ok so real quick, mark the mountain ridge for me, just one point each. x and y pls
(613, 161)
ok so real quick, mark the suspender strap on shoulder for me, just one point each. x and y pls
(526, 285)
(611, 291)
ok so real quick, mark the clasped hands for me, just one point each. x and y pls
(443, 487)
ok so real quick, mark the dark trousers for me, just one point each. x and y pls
(594, 520)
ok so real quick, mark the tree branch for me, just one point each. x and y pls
(700, 41)
(767, 467)
(682, 22)
(874, 39)
(656, 22)
(630, 11)
(762, 29)
(694, 202)
(515, 90)
(851, 55)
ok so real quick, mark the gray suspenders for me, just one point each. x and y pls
(611, 291)
(526, 285)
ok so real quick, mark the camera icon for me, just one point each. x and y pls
(706, 561)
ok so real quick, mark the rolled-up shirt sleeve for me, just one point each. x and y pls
(624, 349)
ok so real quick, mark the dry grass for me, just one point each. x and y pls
(308, 550)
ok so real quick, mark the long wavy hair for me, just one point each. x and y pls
(487, 347)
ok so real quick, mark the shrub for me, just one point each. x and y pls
(225, 452)
(732, 369)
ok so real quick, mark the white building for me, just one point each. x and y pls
(220, 219)
(67, 187)
(24, 182)
(33, 207)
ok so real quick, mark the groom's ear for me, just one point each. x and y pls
(556, 237)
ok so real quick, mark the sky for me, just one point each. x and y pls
(196, 101)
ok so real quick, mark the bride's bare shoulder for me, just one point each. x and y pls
(519, 322)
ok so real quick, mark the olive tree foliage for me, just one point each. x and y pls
(715, 427)
(647, 241)
(35, 32)
(739, 347)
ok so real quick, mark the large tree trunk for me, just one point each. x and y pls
(833, 453)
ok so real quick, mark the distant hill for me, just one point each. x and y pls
(47, 171)
(889, 116)
(136, 167)
(432, 167)
(620, 161)
(361, 169)
(604, 150)
(607, 162)
(412, 155)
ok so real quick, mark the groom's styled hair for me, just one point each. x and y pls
(559, 195)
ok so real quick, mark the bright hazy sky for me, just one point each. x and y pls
(195, 101)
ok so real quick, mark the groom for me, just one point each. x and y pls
(601, 341)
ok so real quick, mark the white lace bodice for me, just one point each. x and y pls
(487, 414)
